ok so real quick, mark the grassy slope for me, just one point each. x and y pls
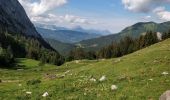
(131, 74)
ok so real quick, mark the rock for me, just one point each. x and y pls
(45, 94)
(67, 72)
(165, 73)
(60, 76)
(77, 61)
(28, 92)
(114, 87)
(103, 78)
(93, 80)
(165, 96)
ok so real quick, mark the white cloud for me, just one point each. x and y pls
(41, 7)
(148, 6)
(143, 5)
(40, 11)
(137, 5)
(55, 19)
(162, 13)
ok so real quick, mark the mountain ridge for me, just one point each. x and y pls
(134, 31)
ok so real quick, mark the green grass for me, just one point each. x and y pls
(130, 74)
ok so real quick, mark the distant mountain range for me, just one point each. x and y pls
(134, 31)
(66, 36)
(77, 28)
(96, 41)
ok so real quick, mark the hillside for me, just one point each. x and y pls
(134, 31)
(143, 75)
(66, 36)
(62, 48)
(19, 38)
(14, 19)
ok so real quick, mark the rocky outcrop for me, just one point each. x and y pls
(14, 19)
(165, 96)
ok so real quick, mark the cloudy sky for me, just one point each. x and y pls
(113, 15)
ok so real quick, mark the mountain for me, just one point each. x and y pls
(14, 19)
(62, 48)
(134, 31)
(77, 28)
(66, 36)
(19, 36)
(101, 32)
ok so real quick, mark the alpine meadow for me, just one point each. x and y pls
(84, 50)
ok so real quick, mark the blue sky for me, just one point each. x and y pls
(113, 15)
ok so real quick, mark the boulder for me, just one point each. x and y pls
(165, 96)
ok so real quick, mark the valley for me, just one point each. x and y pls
(84, 50)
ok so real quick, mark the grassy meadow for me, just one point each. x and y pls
(138, 76)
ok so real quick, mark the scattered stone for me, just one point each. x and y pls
(150, 79)
(114, 87)
(165, 96)
(93, 80)
(103, 78)
(60, 76)
(67, 72)
(165, 73)
(77, 61)
(28, 92)
(45, 94)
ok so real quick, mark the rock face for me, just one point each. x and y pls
(14, 19)
(165, 96)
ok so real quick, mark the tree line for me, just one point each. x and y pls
(125, 46)
(19, 46)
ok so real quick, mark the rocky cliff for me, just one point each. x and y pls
(13, 19)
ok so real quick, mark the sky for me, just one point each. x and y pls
(112, 15)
